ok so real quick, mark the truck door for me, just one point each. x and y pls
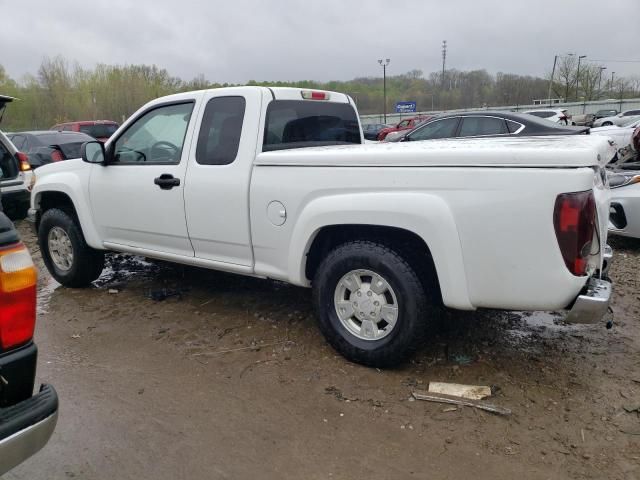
(217, 188)
(137, 199)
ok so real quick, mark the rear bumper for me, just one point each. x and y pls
(593, 302)
(20, 198)
(26, 427)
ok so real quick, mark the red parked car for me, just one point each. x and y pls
(101, 130)
(406, 124)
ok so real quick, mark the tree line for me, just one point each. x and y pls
(61, 92)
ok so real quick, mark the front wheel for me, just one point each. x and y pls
(370, 303)
(65, 252)
(607, 124)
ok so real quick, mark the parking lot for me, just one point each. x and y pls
(231, 376)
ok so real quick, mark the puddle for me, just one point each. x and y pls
(121, 268)
(45, 291)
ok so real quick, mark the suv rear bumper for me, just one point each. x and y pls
(593, 302)
(26, 427)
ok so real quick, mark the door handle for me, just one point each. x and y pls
(166, 181)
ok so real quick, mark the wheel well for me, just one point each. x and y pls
(405, 242)
(48, 200)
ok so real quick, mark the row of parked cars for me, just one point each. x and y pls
(21, 152)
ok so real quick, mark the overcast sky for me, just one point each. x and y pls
(240, 40)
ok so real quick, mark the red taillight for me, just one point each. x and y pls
(23, 158)
(574, 219)
(17, 296)
(56, 156)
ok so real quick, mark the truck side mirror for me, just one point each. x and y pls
(93, 152)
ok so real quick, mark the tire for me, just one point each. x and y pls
(413, 304)
(607, 124)
(85, 263)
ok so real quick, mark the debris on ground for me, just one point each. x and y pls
(164, 293)
(635, 407)
(113, 291)
(472, 392)
(442, 398)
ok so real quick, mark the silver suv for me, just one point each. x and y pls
(16, 177)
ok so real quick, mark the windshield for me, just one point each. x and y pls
(100, 130)
(303, 123)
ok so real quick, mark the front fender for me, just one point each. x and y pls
(74, 185)
(426, 215)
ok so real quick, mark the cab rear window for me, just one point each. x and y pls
(297, 124)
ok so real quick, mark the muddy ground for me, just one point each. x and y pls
(232, 380)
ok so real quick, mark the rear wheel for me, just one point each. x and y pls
(371, 305)
(607, 124)
(65, 252)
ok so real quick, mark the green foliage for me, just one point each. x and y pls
(61, 92)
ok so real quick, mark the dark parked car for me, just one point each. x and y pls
(372, 130)
(99, 129)
(487, 124)
(605, 113)
(26, 420)
(47, 146)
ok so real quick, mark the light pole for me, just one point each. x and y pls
(611, 84)
(580, 57)
(384, 64)
(553, 71)
(600, 80)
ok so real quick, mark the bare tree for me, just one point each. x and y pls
(566, 75)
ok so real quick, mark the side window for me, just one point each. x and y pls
(8, 165)
(475, 126)
(404, 123)
(67, 128)
(155, 137)
(445, 128)
(513, 127)
(631, 113)
(220, 131)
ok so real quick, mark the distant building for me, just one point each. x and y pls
(548, 101)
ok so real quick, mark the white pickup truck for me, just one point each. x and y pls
(275, 183)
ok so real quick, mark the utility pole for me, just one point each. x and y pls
(553, 72)
(580, 57)
(444, 59)
(384, 64)
(611, 84)
(600, 80)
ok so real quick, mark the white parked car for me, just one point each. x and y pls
(621, 135)
(553, 115)
(617, 120)
(277, 183)
(624, 217)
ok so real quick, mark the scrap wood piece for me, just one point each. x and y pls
(472, 392)
(443, 398)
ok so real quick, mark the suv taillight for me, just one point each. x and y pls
(18, 279)
(574, 219)
(23, 158)
(56, 156)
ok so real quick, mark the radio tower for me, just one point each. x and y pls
(444, 59)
